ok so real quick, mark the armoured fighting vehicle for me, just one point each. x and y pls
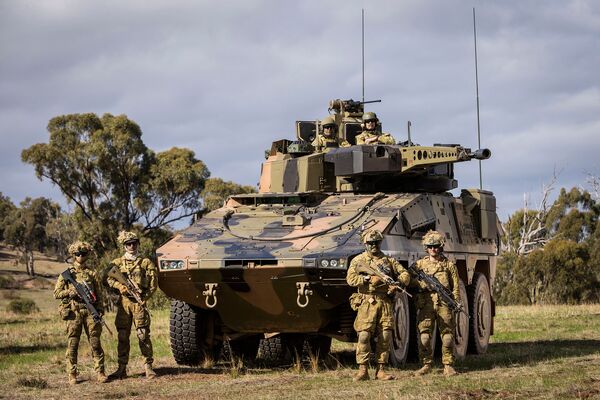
(266, 272)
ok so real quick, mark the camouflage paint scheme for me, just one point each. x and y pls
(256, 256)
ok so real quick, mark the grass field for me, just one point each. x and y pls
(550, 352)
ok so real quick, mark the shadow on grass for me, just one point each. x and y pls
(8, 350)
(527, 353)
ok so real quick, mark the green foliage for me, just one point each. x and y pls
(7, 282)
(159, 301)
(6, 208)
(22, 306)
(216, 192)
(115, 181)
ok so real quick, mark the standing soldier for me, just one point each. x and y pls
(430, 308)
(373, 304)
(329, 138)
(141, 273)
(73, 310)
(370, 134)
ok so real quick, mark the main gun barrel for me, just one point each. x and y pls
(481, 154)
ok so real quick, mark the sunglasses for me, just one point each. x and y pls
(372, 243)
(433, 246)
(81, 253)
(328, 126)
(370, 121)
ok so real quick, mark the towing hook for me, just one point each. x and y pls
(303, 292)
(210, 293)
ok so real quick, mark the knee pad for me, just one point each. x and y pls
(447, 339)
(364, 337)
(425, 339)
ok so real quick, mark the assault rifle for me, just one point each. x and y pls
(132, 288)
(434, 284)
(380, 272)
(87, 295)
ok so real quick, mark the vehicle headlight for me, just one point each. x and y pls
(324, 263)
(172, 264)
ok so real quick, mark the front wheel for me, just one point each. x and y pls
(480, 306)
(399, 344)
(461, 328)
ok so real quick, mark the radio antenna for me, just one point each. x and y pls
(477, 92)
(363, 55)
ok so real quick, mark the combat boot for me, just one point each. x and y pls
(101, 377)
(150, 374)
(73, 378)
(449, 370)
(362, 374)
(425, 369)
(381, 375)
(120, 373)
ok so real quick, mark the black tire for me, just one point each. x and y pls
(245, 348)
(400, 342)
(480, 307)
(280, 349)
(192, 334)
(461, 329)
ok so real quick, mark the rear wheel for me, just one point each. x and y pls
(192, 333)
(461, 329)
(480, 306)
(280, 349)
(399, 344)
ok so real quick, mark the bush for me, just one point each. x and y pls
(159, 301)
(22, 306)
(7, 282)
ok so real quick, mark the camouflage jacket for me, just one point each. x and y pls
(141, 271)
(322, 143)
(357, 279)
(384, 138)
(64, 291)
(444, 270)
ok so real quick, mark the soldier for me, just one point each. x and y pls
(373, 303)
(143, 273)
(75, 313)
(329, 138)
(429, 306)
(370, 134)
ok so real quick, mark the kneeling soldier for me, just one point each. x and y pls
(140, 275)
(373, 303)
(75, 313)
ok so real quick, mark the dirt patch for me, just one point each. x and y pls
(479, 394)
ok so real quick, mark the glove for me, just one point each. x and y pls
(73, 293)
(375, 280)
(123, 290)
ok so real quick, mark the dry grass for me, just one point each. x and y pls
(537, 353)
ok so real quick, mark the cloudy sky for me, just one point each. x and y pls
(227, 78)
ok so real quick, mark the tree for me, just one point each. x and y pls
(26, 228)
(114, 180)
(216, 192)
(6, 208)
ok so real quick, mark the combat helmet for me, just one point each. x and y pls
(79, 247)
(126, 237)
(372, 235)
(328, 120)
(433, 238)
(369, 116)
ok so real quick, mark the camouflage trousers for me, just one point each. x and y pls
(128, 313)
(429, 311)
(83, 321)
(374, 318)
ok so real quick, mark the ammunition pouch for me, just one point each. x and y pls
(66, 312)
(356, 300)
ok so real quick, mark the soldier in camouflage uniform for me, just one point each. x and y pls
(431, 309)
(373, 303)
(76, 315)
(370, 134)
(329, 138)
(143, 272)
